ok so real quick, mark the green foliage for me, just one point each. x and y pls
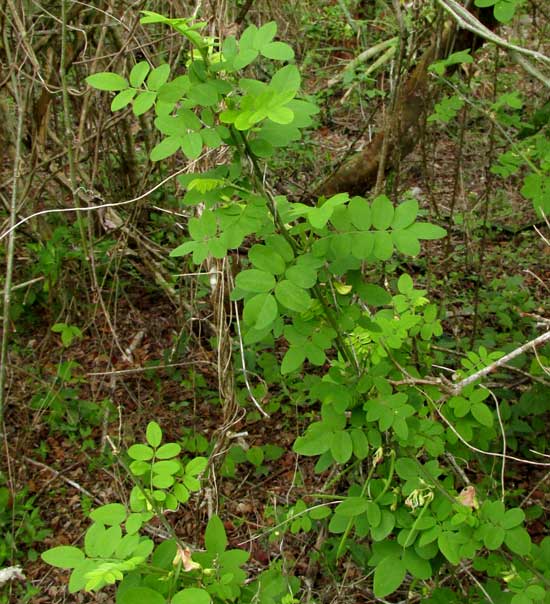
(68, 333)
(252, 103)
(530, 152)
(260, 457)
(447, 109)
(58, 259)
(20, 525)
(455, 58)
(164, 481)
(115, 550)
(64, 409)
(361, 355)
(504, 10)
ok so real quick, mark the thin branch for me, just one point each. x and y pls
(511, 368)
(529, 67)
(68, 129)
(479, 585)
(243, 363)
(11, 241)
(151, 368)
(70, 482)
(481, 451)
(242, 13)
(22, 285)
(528, 496)
(503, 432)
(468, 21)
(457, 388)
(92, 208)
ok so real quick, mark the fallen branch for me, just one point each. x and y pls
(468, 21)
(70, 482)
(457, 388)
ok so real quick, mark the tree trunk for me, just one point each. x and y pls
(359, 173)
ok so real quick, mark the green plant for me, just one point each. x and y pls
(64, 409)
(68, 333)
(22, 529)
(164, 481)
(50, 261)
(362, 353)
(504, 10)
(529, 152)
(115, 548)
(258, 456)
(20, 524)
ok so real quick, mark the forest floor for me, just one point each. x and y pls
(64, 469)
(66, 477)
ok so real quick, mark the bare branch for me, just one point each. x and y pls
(457, 388)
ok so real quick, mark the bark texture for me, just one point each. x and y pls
(359, 173)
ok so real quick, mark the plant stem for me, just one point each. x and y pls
(363, 491)
(69, 139)
(154, 505)
(341, 345)
(19, 101)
